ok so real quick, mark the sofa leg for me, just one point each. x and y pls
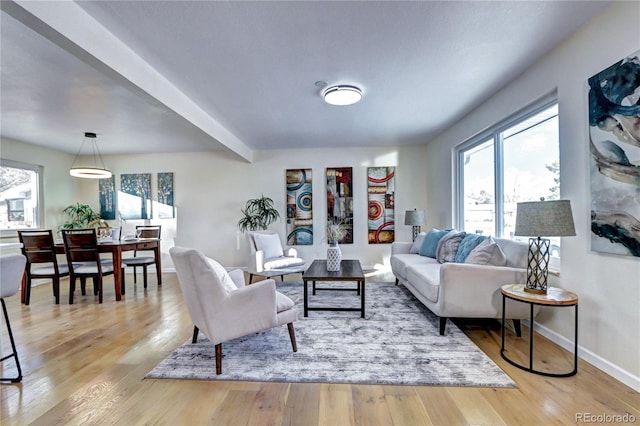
(443, 324)
(195, 334)
(517, 328)
(219, 358)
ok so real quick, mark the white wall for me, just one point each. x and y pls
(608, 285)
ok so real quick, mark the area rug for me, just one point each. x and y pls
(397, 343)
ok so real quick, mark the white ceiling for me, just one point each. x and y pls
(169, 76)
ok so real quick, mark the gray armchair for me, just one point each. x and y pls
(222, 307)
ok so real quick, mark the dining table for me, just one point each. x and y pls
(116, 248)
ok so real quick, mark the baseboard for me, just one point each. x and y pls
(593, 359)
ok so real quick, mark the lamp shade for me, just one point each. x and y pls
(415, 218)
(545, 219)
(342, 95)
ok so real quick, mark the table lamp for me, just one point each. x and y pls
(415, 218)
(542, 218)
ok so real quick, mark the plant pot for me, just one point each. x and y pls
(334, 257)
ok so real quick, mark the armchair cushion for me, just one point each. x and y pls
(282, 262)
(283, 303)
(269, 244)
(222, 276)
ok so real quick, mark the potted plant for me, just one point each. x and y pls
(81, 216)
(258, 213)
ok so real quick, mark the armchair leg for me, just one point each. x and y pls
(443, 325)
(219, 358)
(195, 334)
(397, 281)
(517, 327)
(292, 335)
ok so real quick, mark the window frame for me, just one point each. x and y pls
(494, 133)
(39, 196)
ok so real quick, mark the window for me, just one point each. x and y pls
(19, 195)
(517, 160)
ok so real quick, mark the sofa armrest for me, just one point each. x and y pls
(400, 247)
(475, 289)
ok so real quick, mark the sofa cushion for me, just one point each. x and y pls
(430, 244)
(270, 244)
(468, 243)
(448, 246)
(415, 247)
(516, 252)
(400, 262)
(425, 278)
(487, 252)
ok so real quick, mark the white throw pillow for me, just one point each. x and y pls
(269, 244)
(222, 275)
(487, 252)
(448, 246)
(415, 248)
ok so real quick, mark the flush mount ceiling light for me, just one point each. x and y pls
(87, 172)
(342, 95)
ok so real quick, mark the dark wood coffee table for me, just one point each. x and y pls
(350, 270)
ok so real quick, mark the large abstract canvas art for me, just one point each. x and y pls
(381, 213)
(340, 199)
(134, 198)
(107, 193)
(299, 207)
(614, 140)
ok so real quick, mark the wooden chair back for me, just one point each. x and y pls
(38, 246)
(80, 245)
(148, 231)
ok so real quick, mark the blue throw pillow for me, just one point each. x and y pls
(469, 242)
(430, 243)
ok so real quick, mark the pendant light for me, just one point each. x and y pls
(87, 172)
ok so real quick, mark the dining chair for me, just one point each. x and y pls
(12, 267)
(38, 247)
(83, 260)
(141, 257)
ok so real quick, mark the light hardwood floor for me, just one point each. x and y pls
(85, 363)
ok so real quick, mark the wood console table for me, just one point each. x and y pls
(556, 297)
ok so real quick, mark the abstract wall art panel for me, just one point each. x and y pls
(614, 142)
(107, 192)
(134, 198)
(381, 212)
(299, 207)
(163, 208)
(340, 199)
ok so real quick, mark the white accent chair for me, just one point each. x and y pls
(268, 259)
(222, 307)
(12, 267)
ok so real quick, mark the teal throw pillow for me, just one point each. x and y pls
(430, 243)
(469, 242)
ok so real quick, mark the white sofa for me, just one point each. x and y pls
(462, 290)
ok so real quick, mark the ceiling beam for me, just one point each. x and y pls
(67, 25)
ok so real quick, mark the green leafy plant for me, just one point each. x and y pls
(81, 216)
(258, 213)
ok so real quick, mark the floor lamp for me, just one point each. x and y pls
(542, 218)
(415, 218)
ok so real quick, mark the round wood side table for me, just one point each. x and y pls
(555, 297)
